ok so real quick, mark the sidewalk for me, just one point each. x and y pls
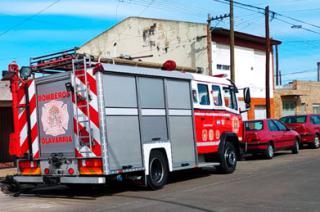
(7, 171)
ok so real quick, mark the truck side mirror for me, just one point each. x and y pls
(247, 97)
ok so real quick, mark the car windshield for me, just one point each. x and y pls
(253, 125)
(294, 119)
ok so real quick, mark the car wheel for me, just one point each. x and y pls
(228, 159)
(158, 170)
(269, 153)
(295, 148)
(315, 144)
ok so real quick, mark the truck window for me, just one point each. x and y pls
(230, 99)
(203, 94)
(194, 96)
(216, 95)
(254, 125)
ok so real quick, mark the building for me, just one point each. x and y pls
(6, 122)
(158, 40)
(298, 97)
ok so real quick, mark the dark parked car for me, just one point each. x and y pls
(267, 136)
(308, 126)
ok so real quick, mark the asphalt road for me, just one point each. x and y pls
(286, 183)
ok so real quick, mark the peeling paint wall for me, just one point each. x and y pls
(184, 42)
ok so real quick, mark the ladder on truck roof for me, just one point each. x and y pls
(54, 63)
(82, 102)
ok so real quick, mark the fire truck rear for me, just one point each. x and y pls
(85, 122)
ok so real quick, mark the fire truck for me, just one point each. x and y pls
(80, 121)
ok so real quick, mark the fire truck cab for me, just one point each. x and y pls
(85, 122)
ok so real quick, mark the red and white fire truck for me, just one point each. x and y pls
(83, 122)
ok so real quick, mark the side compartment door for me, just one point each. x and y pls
(122, 122)
(180, 122)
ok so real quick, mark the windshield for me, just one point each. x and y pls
(294, 119)
(253, 125)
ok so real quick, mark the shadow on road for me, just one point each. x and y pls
(89, 192)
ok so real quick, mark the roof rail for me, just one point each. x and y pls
(55, 62)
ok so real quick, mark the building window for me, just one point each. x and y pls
(316, 108)
(223, 67)
(289, 107)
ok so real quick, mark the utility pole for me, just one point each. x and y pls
(232, 69)
(268, 113)
(209, 44)
(209, 38)
(318, 72)
(277, 66)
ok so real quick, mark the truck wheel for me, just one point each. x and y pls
(269, 153)
(315, 144)
(228, 159)
(158, 170)
(295, 148)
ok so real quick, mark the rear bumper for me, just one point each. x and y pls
(256, 147)
(307, 138)
(63, 180)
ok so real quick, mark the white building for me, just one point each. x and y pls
(186, 44)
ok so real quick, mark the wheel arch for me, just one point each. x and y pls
(233, 138)
(165, 148)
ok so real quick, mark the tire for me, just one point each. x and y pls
(316, 143)
(295, 148)
(269, 152)
(158, 170)
(228, 159)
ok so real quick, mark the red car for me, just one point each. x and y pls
(308, 126)
(268, 135)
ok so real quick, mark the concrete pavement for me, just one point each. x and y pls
(286, 183)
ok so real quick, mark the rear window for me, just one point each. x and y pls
(294, 119)
(253, 125)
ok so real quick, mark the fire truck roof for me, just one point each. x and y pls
(210, 79)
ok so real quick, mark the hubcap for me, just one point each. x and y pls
(270, 151)
(230, 157)
(157, 170)
(316, 141)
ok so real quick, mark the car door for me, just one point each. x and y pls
(288, 137)
(275, 134)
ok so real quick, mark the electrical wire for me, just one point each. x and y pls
(29, 18)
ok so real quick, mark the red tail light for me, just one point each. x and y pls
(28, 164)
(253, 137)
(29, 167)
(71, 171)
(90, 167)
(46, 171)
(302, 129)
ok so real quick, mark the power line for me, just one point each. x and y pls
(300, 72)
(29, 18)
(273, 13)
(145, 9)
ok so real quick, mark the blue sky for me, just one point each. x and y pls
(29, 28)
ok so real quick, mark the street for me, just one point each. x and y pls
(286, 183)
